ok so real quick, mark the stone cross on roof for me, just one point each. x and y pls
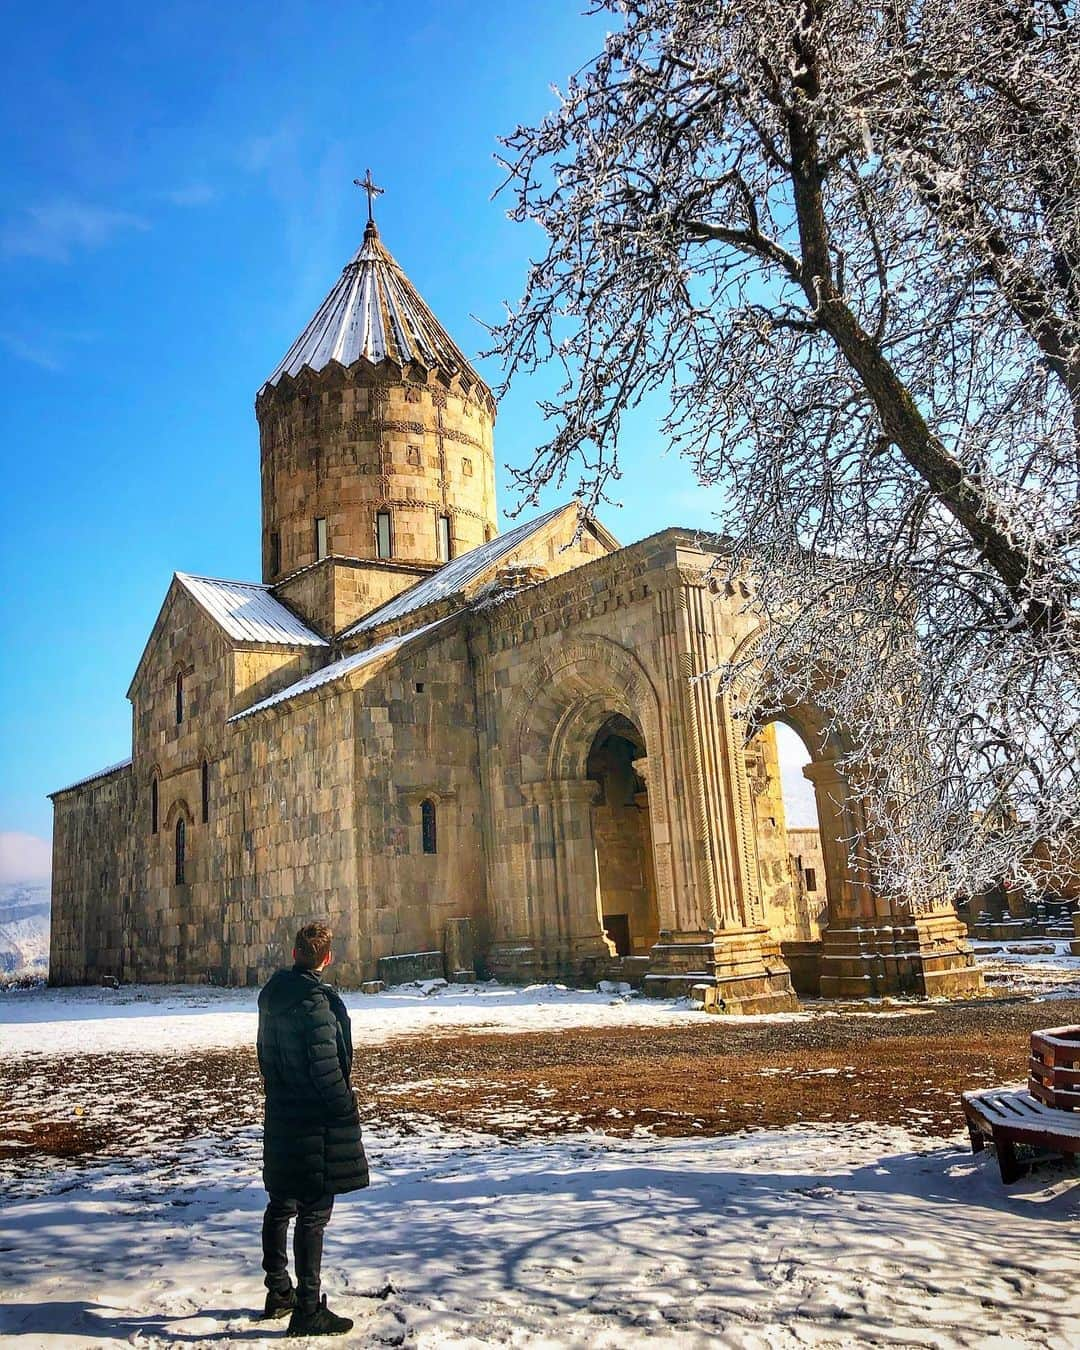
(368, 184)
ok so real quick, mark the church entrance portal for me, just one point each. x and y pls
(622, 838)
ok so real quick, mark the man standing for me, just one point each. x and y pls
(312, 1147)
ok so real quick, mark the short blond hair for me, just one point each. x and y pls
(312, 945)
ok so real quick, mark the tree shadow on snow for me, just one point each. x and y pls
(78, 1317)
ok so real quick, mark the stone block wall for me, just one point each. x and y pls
(415, 742)
(285, 826)
(93, 879)
(337, 592)
(344, 446)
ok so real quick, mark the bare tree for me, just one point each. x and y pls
(842, 237)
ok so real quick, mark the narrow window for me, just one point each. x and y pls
(322, 542)
(427, 825)
(443, 537)
(466, 468)
(811, 879)
(275, 554)
(205, 791)
(179, 697)
(153, 806)
(383, 540)
(181, 841)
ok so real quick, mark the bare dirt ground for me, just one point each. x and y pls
(711, 1076)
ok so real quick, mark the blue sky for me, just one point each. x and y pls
(178, 199)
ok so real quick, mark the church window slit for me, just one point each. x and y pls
(428, 834)
(205, 791)
(179, 697)
(153, 806)
(275, 554)
(443, 539)
(322, 539)
(181, 850)
(384, 542)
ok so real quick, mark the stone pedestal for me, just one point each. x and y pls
(1074, 945)
(919, 954)
(744, 965)
(514, 962)
(458, 951)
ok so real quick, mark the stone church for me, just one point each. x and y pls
(414, 721)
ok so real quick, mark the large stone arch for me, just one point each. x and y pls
(562, 705)
(873, 943)
(552, 723)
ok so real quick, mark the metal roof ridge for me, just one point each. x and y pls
(94, 777)
(221, 581)
(343, 666)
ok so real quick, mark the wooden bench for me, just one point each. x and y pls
(1006, 1117)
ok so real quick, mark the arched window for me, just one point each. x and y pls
(179, 697)
(181, 844)
(153, 806)
(205, 790)
(427, 826)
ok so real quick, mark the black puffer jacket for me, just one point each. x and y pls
(311, 1142)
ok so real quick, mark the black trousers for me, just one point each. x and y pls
(311, 1220)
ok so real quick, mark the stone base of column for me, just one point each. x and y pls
(514, 962)
(924, 955)
(579, 961)
(744, 966)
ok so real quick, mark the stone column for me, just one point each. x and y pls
(873, 947)
(564, 885)
(721, 940)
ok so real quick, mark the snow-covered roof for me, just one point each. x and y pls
(93, 777)
(248, 612)
(337, 669)
(453, 576)
(374, 311)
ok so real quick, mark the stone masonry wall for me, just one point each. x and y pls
(335, 593)
(92, 879)
(415, 741)
(345, 446)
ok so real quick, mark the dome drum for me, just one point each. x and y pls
(387, 458)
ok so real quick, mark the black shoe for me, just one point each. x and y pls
(278, 1305)
(321, 1322)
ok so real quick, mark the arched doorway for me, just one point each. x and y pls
(791, 872)
(622, 838)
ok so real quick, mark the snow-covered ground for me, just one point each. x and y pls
(825, 1235)
(811, 1237)
(1044, 967)
(185, 1018)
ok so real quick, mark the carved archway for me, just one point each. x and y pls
(555, 719)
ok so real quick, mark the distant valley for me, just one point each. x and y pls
(24, 927)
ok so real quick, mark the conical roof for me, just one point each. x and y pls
(374, 311)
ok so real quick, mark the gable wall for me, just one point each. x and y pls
(286, 814)
(410, 745)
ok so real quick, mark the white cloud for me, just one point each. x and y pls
(44, 345)
(24, 857)
(32, 352)
(56, 231)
